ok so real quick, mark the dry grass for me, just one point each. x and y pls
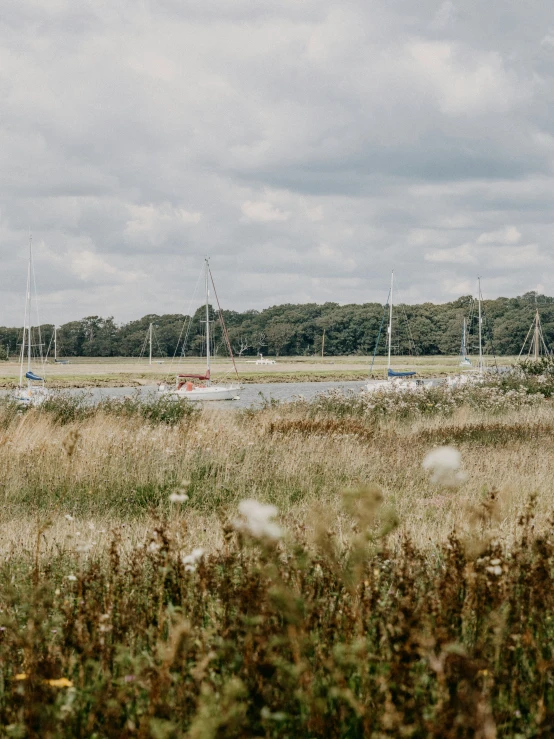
(119, 472)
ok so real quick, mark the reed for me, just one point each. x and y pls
(316, 569)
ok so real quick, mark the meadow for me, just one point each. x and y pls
(298, 569)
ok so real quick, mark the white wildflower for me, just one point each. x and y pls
(68, 517)
(256, 520)
(154, 547)
(178, 498)
(72, 578)
(444, 464)
(190, 560)
(495, 570)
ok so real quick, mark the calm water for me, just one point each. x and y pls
(250, 395)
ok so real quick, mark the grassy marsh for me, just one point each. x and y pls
(391, 606)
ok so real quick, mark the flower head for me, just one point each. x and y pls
(256, 520)
(178, 498)
(190, 560)
(444, 464)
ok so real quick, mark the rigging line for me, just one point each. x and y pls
(160, 350)
(411, 342)
(42, 361)
(143, 349)
(189, 317)
(489, 329)
(525, 342)
(379, 334)
(223, 324)
(49, 347)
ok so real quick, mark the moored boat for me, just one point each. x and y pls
(195, 387)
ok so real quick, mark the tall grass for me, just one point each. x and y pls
(380, 604)
(341, 637)
(126, 458)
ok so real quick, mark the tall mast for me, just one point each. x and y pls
(150, 343)
(390, 315)
(480, 329)
(28, 306)
(207, 318)
(464, 351)
(537, 338)
(55, 344)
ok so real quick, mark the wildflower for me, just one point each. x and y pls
(68, 517)
(444, 464)
(256, 520)
(495, 570)
(71, 578)
(21, 676)
(190, 560)
(60, 682)
(178, 498)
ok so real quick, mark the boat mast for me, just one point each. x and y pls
(390, 317)
(150, 343)
(208, 320)
(480, 328)
(537, 338)
(27, 323)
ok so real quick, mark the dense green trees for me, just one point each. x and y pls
(298, 330)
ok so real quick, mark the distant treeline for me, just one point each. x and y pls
(300, 330)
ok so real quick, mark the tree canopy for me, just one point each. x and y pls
(289, 329)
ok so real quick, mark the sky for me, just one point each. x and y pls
(307, 147)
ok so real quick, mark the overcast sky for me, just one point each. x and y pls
(306, 146)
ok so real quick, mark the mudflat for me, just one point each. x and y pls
(133, 372)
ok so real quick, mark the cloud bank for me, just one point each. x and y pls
(306, 147)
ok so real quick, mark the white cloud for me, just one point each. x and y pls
(508, 235)
(263, 212)
(463, 84)
(307, 147)
(463, 254)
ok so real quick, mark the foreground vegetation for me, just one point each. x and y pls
(376, 590)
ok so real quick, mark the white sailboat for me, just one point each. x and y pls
(394, 380)
(188, 385)
(465, 361)
(33, 392)
(477, 375)
(537, 345)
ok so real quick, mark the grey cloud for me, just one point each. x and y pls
(132, 136)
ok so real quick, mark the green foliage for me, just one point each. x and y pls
(356, 640)
(69, 407)
(425, 329)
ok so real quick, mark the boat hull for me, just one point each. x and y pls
(202, 394)
(30, 396)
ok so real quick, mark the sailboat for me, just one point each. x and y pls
(391, 374)
(56, 360)
(474, 375)
(464, 359)
(33, 392)
(199, 387)
(393, 379)
(537, 345)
